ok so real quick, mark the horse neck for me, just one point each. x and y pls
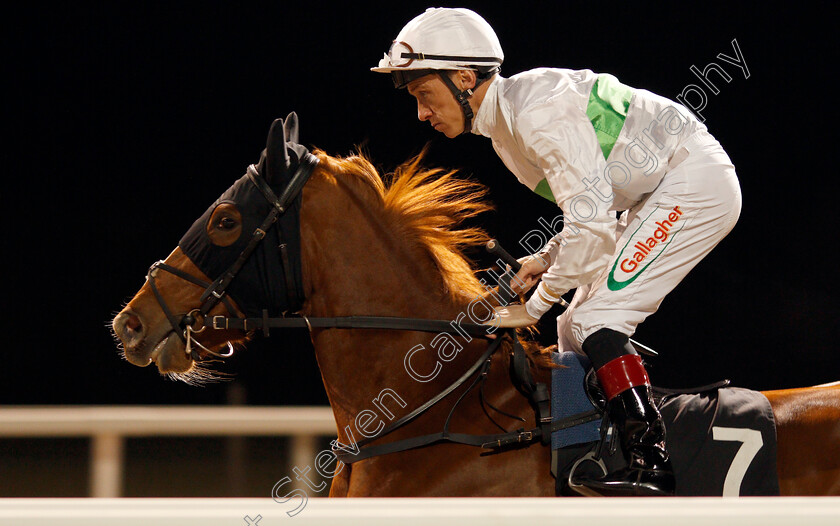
(356, 263)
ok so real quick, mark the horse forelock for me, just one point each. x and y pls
(427, 206)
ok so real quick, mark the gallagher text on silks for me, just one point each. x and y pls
(647, 243)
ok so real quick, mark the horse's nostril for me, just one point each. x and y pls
(133, 324)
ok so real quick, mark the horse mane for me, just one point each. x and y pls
(428, 206)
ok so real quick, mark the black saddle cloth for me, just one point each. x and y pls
(722, 441)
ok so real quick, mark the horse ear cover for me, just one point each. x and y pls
(290, 128)
(277, 162)
(259, 287)
(274, 161)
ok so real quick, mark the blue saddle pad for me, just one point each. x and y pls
(568, 398)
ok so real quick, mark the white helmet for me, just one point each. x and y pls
(444, 39)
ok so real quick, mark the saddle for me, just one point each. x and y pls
(721, 439)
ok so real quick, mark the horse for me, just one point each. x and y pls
(370, 246)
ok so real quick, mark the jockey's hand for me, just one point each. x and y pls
(533, 267)
(512, 316)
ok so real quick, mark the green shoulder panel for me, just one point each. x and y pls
(607, 110)
(543, 190)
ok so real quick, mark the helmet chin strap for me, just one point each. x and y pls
(463, 98)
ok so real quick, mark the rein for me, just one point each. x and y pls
(538, 396)
(347, 322)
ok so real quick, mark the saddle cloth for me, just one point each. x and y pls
(722, 442)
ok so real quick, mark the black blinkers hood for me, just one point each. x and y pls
(271, 277)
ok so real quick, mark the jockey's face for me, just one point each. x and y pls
(436, 104)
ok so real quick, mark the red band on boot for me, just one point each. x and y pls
(621, 374)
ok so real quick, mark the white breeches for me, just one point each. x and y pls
(658, 242)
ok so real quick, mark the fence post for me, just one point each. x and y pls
(303, 458)
(106, 465)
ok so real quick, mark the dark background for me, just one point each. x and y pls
(124, 123)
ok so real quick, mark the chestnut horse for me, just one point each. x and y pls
(368, 248)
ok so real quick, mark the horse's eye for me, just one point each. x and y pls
(227, 223)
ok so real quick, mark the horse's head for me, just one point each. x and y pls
(227, 263)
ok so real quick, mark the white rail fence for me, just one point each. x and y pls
(694, 511)
(109, 426)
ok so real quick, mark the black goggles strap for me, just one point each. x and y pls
(453, 58)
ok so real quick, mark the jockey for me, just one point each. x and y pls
(596, 148)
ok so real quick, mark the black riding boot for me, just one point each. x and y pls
(640, 427)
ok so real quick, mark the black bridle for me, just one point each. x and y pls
(217, 290)
(197, 320)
